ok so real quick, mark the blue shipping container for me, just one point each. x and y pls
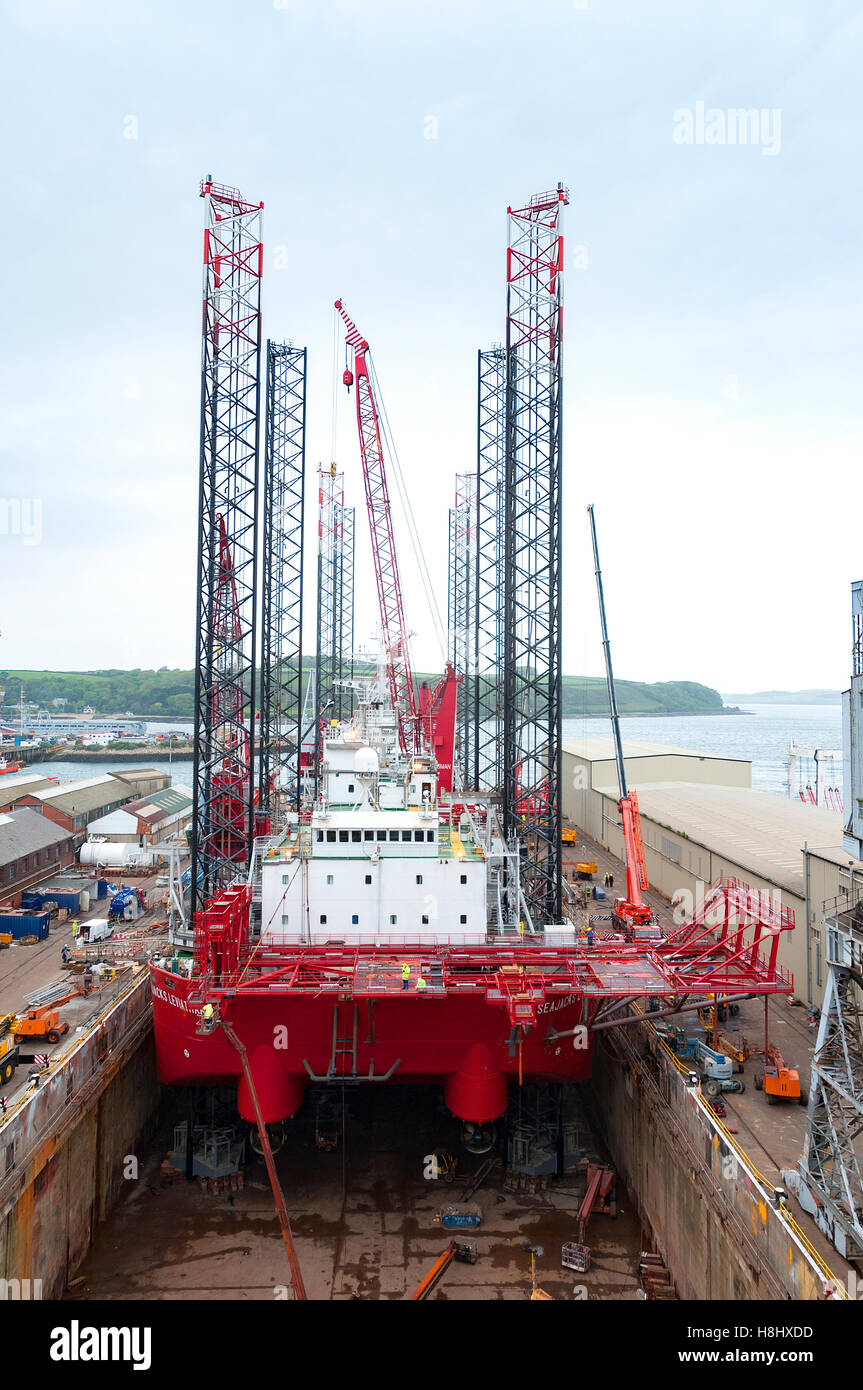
(71, 901)
(23, 924)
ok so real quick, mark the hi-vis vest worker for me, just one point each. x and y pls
(207, 1012)
(421, 984)
(406, 975)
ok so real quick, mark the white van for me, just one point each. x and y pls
(99, 930)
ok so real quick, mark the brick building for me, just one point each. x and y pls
(72, 805)
(32, 848)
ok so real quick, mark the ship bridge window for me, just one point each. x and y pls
(381, 834)
(331, 837)
(419, 835)
(394, 835)
(429, 835)
(320, 836)
(368, 834)
(406, 837)
(344, 836)
(356, 836)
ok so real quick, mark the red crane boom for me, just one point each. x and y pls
(394, 630)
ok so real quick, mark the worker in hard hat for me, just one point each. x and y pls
(406, 976)
(208, 1013)
(421, 984)
(75, 930)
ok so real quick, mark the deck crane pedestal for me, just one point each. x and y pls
(631, 914)
(426, 726)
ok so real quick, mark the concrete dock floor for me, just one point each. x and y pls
(26, 969)
(362, 1218)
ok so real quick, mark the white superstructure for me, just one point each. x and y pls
(375, 862)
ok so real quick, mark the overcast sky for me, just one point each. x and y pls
(712, 356)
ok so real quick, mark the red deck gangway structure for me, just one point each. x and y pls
(507, 994)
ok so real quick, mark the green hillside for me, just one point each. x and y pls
(165, 694)
(589, 695)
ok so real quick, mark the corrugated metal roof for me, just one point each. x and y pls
(170, 801)
(26, 830)
(87, 795)
(595, 750)
(140, 772)
(835, 854)
(116, 822)
(15, 784)
(757, 830)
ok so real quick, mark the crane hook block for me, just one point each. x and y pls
(348, 377)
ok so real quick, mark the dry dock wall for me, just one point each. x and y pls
(63, 1145)
(714, 1219)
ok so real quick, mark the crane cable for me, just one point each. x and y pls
(404, 498)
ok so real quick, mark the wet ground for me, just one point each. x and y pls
(363, 1221)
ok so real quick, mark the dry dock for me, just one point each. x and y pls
(88, 1198)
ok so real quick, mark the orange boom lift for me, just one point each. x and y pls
(631, 914)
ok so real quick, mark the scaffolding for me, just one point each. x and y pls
(227, 540)
(282, 586)
(461, 618)
(828, 1180)
(532, 547)
(487, 700)
(335, 622)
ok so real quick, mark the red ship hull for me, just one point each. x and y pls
(404, 1037)
(487, 1014)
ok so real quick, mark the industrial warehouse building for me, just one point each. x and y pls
(73, 805)
(15, 785)
(143, 780)
(701, 820)
(147, 820)
(32, 848)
